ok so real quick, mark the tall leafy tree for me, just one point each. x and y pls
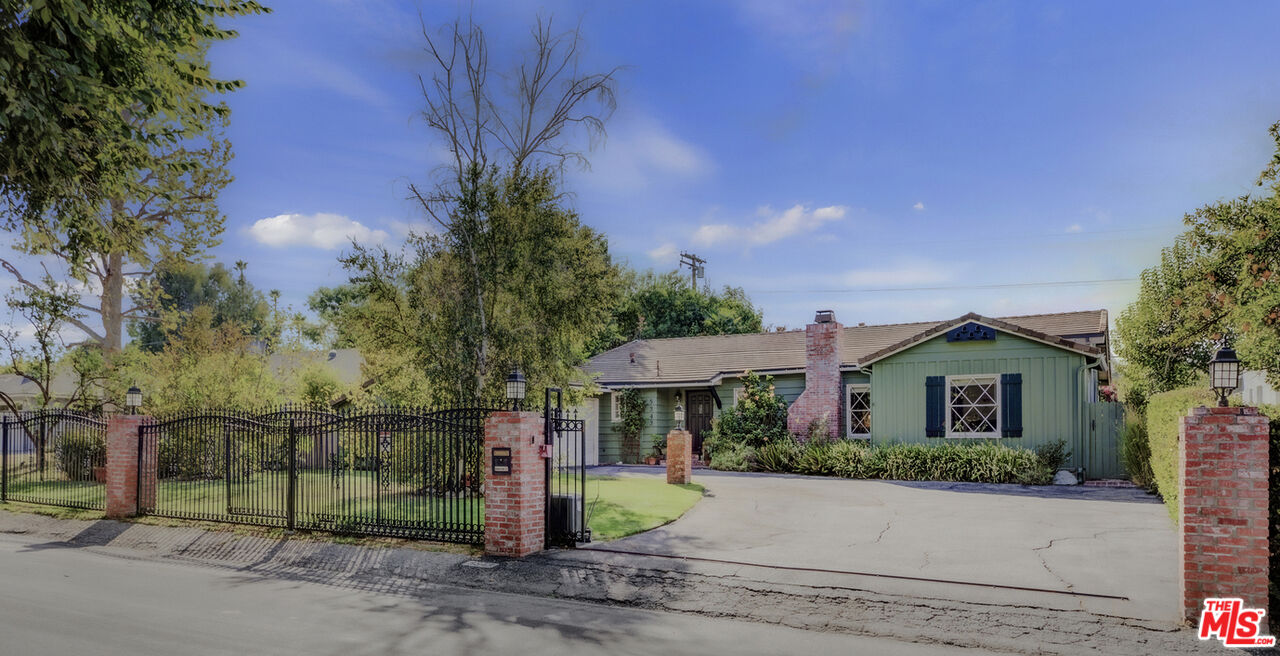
(1217, 285)
(181, 287)
(665, 305)
(111, 149)
(1240, 274)
(547, 284)
(76, 77)
(1166, 337)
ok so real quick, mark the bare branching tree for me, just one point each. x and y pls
(46, 308)
(525, 125)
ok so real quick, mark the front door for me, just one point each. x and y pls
(700, 413)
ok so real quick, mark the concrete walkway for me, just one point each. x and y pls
(1107, 551)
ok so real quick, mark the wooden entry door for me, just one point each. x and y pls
(699, 413)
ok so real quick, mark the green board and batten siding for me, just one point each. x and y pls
(1054, 394)
(1054, 399)
(660, 418)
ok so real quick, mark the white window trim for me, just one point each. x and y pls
(848, 411)
(737, 394)
(995, 378)
(613, 405)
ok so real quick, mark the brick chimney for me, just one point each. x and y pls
(822, 394)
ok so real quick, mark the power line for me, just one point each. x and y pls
(860, 290)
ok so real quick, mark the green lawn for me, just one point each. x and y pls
(619, 506)
(616, 506)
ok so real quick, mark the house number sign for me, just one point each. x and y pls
(502, 461)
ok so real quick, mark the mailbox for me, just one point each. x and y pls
(502, 461)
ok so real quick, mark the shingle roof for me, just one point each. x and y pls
(705, 359)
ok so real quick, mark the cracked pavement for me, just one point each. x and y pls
(816, 603)
(1099, 542)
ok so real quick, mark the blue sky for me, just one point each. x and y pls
(799, 147)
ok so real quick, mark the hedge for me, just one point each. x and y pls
(1273, 412)
(1164, 410)
(979, 462)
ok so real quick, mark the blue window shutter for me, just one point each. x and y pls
(1011, 405)
(935, 406)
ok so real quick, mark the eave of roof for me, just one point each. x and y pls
(930, 333)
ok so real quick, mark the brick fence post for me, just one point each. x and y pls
(515, 501)
(122, 465)
(1224, 456)
(679, 457)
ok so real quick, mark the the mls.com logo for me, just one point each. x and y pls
(1236, 626)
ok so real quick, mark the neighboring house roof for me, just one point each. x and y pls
(24, 390)
(344, 364)
(704, 360)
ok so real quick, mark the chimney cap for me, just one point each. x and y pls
(824, 316)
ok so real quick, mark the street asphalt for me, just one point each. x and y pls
(57, 600)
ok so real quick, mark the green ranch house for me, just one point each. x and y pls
(1023, 380)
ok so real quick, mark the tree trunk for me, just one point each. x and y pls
(113, 304)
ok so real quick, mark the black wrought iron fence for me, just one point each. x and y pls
(568, 508)
(54, 457)
(400, 472)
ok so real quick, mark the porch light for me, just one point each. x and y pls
(1224, 374)
(133, 400)
(515, 388)
(679, 416)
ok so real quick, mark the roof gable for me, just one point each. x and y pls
(1005, 326)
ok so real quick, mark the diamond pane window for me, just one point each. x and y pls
(973, 406)
(859, 404)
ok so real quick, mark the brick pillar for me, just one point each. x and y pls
(1223, 492)
(679, 457)
(514, 502)
(122, 465)
(822, 394)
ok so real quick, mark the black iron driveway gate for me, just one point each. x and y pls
(395, 472)
(566, 471)
(54, 457)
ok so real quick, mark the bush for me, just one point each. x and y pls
(77, 455)
(733, 457)
(758, 418)
(1164, 410)
(981, 462)
(1135, 452)
(1273, 412)
(1053, 455)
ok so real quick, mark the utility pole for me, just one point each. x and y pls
(696, 270)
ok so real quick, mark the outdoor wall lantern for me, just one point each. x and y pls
(679, 416)
(133, 400)
(1224, 374)
(515, 388)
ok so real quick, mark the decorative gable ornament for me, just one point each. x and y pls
(971, 332)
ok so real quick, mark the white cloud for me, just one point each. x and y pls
(773, 226)
(664, 252)
(918, 207)
(327, 231)
(1075, 227)
(640, 152)
(904, 273)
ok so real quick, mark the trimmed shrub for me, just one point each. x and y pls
(77, 455)
(1135, 452)
(981, 462)
(1164, 411)
(758, 418)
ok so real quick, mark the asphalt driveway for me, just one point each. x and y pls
(1111, 551)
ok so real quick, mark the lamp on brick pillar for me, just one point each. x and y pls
(133, 400)
(679, 413)
(515, 388)
(1224, 374)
